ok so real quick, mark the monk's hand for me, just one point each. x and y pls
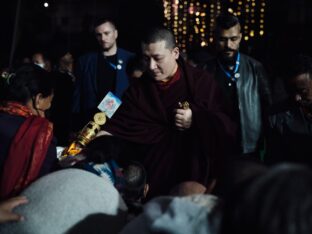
(6, 209)
(183, 118)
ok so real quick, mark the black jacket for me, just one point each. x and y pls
(249, 96)
(290, 135)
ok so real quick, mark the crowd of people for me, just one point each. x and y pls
(197, 145)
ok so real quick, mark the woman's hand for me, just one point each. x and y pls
(7, 206)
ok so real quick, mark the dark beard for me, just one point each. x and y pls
(226, 61)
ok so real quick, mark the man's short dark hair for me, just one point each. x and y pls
(226, 21)
(300, 64)
(135, 181)
(160, 34)
(104, 20)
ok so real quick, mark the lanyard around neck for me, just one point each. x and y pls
(113, 65)
(117, 66)
(228, 74)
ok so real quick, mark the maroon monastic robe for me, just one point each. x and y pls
(146, 116)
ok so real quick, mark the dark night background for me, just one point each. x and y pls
(67, 23)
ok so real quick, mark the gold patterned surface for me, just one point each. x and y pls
(87, 134)
(99, 118)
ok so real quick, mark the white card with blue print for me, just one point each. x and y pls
(109, 104)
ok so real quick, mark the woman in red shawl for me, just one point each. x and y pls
(26, 147)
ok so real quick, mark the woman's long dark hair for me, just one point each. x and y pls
(26, 83)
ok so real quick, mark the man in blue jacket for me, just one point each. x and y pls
(100, 72)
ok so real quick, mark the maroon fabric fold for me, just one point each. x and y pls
(167, 84)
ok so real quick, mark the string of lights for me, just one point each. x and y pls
(193, 21)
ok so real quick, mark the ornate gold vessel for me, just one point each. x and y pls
(88, 132)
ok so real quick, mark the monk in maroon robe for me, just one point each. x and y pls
(184, 143)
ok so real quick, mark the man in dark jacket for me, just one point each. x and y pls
(177, 114)
(99, 72)
(291, 121)
(244, 84)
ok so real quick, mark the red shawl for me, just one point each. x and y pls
(27, 151)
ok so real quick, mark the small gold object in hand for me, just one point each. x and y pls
(184, 105)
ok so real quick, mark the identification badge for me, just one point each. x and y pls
(109, 104)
